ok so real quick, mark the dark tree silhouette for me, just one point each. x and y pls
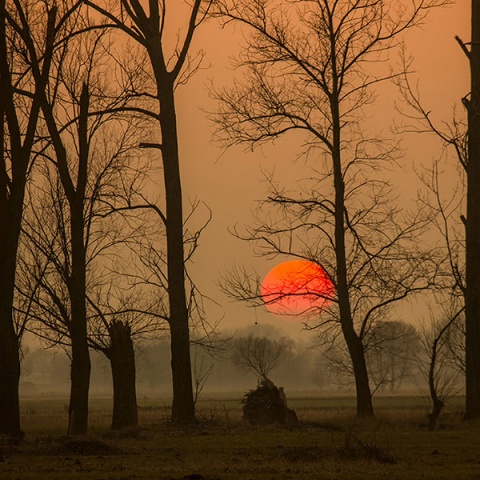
(146, 23)
(28, 44)
(77, 154)
(112, 314)
(472, 236)
(464, 139)
(46, 263)
(122, 359)
(307, 70)
(436, 360)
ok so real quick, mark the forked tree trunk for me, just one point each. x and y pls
(472, 297)
(148, 29)
(122, 360)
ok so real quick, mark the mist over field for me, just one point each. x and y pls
(307, 370)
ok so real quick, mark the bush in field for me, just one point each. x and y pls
(266, 405)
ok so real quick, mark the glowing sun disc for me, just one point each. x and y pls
(296, 287)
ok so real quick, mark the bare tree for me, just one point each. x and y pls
(73, 177)
(472, 237)
(444, 339)
(147, 253)
(113, 311)
(29, 37)
(463, 137)
(147, 27)
(437, 363)
(81, 161)
(260, 355)
(308, 69)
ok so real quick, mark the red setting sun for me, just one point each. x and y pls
(296, 287)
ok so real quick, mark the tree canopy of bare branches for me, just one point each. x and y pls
(311, 67)
(30, 35)
(146, 23)
(260, 355)
(462, 136)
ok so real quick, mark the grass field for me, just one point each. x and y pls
(329, 443)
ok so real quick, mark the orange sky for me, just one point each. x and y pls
(229, 182)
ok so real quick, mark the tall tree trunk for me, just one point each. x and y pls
(78, 408)
(10, 215)
(183, 405)
(437, 403)
(80, 369)
(362, 385)
(9, 343)
(167, 71)
(472, 300)
(80, 382)
(122, 360)
(9, 369)
(353, 341)
(12, 195)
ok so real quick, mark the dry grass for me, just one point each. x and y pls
(328, 444)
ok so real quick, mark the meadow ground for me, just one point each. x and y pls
(329, 443)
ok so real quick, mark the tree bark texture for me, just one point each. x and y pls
(472, 300)
(122, 360)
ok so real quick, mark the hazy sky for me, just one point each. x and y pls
(230, 182)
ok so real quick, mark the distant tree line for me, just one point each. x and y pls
(398, 354)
